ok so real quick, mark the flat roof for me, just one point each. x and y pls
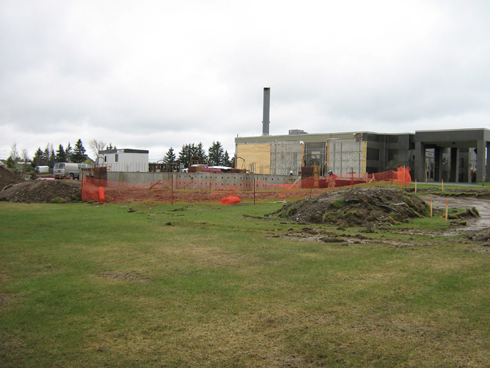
(124, 150)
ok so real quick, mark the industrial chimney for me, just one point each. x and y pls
(267, 104)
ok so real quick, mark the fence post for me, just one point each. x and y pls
(254, 189)
(172, 191)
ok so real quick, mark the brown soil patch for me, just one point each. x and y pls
(367, 207)
(482, 236)
(8, 177)
(43, 191)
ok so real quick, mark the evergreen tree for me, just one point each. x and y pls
(170, 157)
(186, 153)
(10, 163)
(201, 152)
(216, 155)
(46, 155)
(69, 152)
(52, 156)
(38, 158)
(60, 154)
(226, 159)
(189, 150)
(79, 152)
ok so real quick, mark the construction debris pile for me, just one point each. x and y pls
(8, 177)
(368, 207)
(42, 191)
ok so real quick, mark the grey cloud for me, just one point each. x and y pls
(89, 70)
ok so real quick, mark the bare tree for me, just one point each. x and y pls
(96, 146)
(14, 154)
(25, 158)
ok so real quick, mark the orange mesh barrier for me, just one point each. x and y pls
(248, 190)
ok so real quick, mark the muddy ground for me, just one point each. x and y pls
(481, 203)
(365, 207)
(8, 177)
(372, 209)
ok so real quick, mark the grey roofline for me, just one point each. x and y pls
(308, 137)
(450, 130)
(124, 150)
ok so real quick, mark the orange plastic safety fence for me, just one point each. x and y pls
(195, 190)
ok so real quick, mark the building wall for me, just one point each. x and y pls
(347, 156)
(273, 158)
(456, 154)
(257, 157)
(388, 151)
(286, 157)
(121, 160)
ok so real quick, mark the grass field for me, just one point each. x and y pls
(88, 285)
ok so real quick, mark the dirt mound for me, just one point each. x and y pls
(42, 191)
(8, 177)
(368, 207)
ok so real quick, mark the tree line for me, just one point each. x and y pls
(44, 157)
(215, 156)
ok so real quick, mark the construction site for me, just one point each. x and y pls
(458, 156)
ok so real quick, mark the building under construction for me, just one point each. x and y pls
(449, 155)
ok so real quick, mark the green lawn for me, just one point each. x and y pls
(87, 285)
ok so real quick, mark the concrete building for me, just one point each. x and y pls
(450, 155)
(353, 152)
(459, 155)
(124, 160)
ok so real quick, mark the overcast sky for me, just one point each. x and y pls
(154, 74)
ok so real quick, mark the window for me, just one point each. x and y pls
(117, 158)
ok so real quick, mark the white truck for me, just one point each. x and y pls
(66, 170)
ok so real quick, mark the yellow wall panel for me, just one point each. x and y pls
(257, 157)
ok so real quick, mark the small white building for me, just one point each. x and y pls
(125, 159)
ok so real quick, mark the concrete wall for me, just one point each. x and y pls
(286, 157)
(198, 180)
(346, 156)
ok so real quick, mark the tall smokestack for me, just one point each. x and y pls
(267, 104)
